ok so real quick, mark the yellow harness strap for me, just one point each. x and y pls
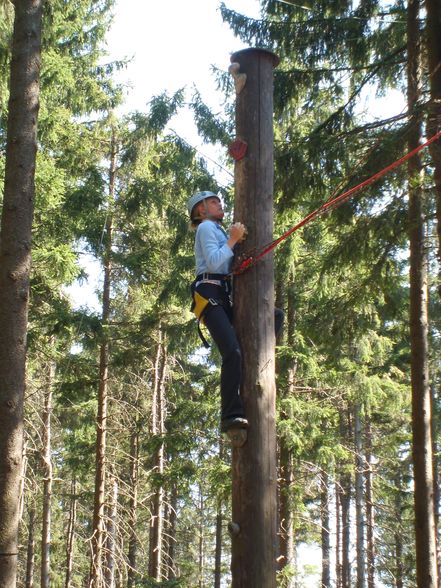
(199, 305)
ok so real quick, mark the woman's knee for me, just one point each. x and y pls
(233, 356)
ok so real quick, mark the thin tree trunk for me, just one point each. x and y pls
(24, 464)
(398, 535)
(201, 551)
(158, 414)
(345, 498)
(286, 468)
(345, 506)
(71, 534)
(171, 543)
(15, 260)
(111, 531)
(47, 480)
(218, 549)
(370, 516)
(425, 536)
(286, 525)
(338, 541)
(359, 498)
(153, 532)
(346, 528)
(30, 556)
(219, 521)
(96, 577)
(133, 508)
(436, 495)
(326, 531)
(96, 574)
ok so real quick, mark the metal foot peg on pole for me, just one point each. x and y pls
(233, 528)
(238, 437)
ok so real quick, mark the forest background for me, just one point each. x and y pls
(123, 465)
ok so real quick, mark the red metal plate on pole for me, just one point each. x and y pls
(238, 149)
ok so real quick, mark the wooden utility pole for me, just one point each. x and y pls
(254, 507)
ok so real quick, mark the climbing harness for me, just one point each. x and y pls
(200, 305)
(250, 259)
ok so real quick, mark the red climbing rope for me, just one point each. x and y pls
(251, 260)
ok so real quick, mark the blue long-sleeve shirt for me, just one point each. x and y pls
(212, 253)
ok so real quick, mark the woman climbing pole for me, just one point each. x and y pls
(211, 291)
(212, 296)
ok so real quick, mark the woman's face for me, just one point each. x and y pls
(211, 208)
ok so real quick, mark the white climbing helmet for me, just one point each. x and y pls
(198, 197)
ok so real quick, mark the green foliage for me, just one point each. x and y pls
(212, 128)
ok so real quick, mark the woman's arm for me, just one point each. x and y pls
(216, 253)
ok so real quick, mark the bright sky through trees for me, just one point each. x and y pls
(173, 44)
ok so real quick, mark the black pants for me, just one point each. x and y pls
(218, 320)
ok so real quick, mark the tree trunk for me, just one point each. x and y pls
(96, 574)
(171, 539)
(24, 465)
(359, 498)
(337, 535)
(47, 480)
(158, 416)
(286, 467)
(286, 525)
(345, 507)
(326, 531)
(433, 49)
(398, 535)
(133, 508)
(218, 549)
(370, 518)
(30, 556)
(15, 261)
(71, 534)
(254, 465)
(201, 551)
(436, 496)
(425, 536)
(219, 522)
(345, 498)
(111, 531)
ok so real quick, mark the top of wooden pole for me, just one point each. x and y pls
(275, 58)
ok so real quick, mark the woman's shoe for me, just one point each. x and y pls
(234, 423)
